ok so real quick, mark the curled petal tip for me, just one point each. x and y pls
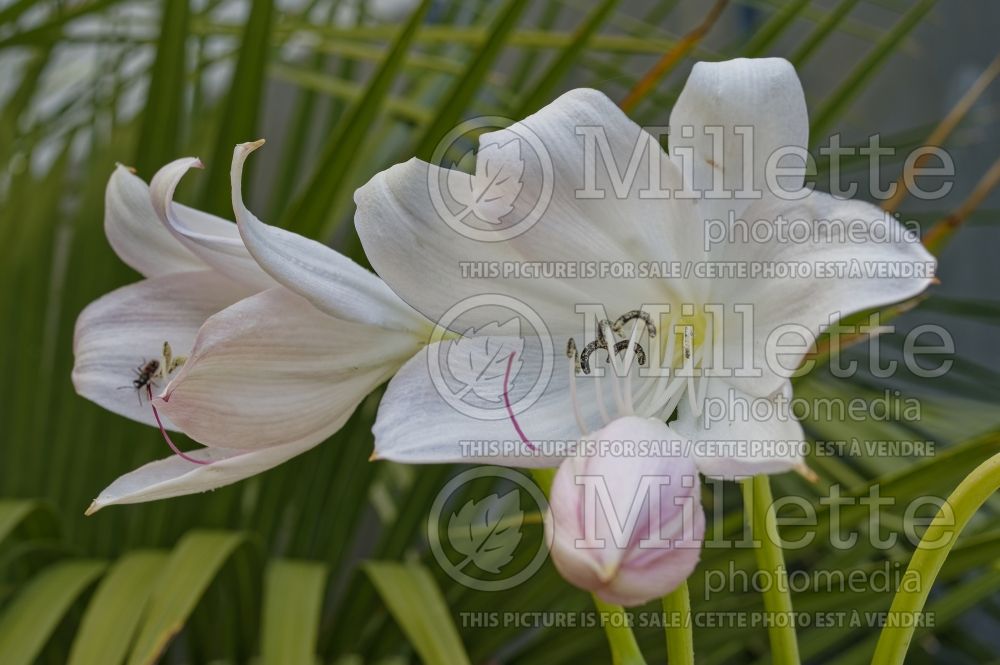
(807, 473)
(196, 163)
(247, 148)
(130, 169)
(93, 508)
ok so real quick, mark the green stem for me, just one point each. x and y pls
(621, 639)
(757, 502)
(680, 636)
(930, 555)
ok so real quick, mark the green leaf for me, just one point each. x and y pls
(415, 601)
(768, 33)
(293, 600)
(191, 567)
(855, 82)
(823, 30)
(159, 139)
(539, 94)
(460, 96)
(14, 514)
(310, 211)
(30, 619)
(238, 121)
(112, 617)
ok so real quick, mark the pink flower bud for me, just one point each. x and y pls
(625, 516)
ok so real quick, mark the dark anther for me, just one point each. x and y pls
(571, 352)
(619, 324)
(640, 355)
(620, 346)
(587, 351)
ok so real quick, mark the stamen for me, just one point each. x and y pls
(604, 329)
(180, 453)
(630, 354)
(706, 353)
(620, 322)
(689, 369)
(588, 351)
(574, 367)
(506, 401)
(656, 394)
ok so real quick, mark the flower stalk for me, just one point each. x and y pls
(678, 626)
(930, 555)
(621, 639)
(757, 502)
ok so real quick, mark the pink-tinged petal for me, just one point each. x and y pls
(135, 232)
(738, 435)
(175, 476)
(329, 280)
(214, 240)
(126, 328)
(274, 370)
(761, 93)
(626, 522)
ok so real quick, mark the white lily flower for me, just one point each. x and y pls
(630, 225)
(266, 374)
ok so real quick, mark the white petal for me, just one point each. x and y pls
(762, 93)
(215, 241)
(401, 220)
(124, 329)
(810, 301)
(175, 476)
(740, 435)
(273, 370)
(135, 232)
(331, 281)
(417, 424)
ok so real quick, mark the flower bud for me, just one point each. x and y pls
(625, 518)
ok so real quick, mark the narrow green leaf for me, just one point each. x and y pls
(112, 617)
(768, 33)
(984, 310)
(821, 32)
(539, 94)
(239, 116)
(16, 513)
(417, 604)
(293, 600)
(51, 30)
(159, 139)
(29, 620)
(460, 96)
(311, 209)
(192, 566)
(854, 83)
